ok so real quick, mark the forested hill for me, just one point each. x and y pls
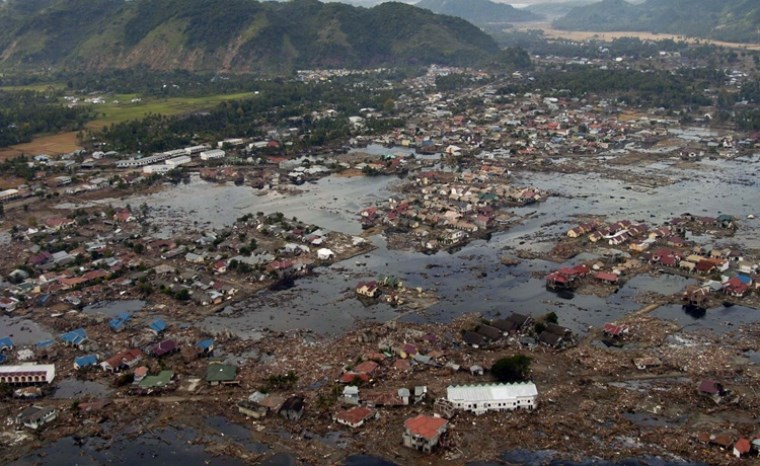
(238, 35)
(729, 20)
(480, 12)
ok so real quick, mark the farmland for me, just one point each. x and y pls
(120, 108)
(580, 36)
(117, 108)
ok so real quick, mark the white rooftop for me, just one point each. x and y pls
(49, 370)
(488, 392)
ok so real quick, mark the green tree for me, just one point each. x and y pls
(511, 369)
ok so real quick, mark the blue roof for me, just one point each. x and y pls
(6, 342)
(746, 279)
(157, 326)
(2, 358)
(44, 343)
(205, 344)
(118, 322)
(75, 337)
(85, 361)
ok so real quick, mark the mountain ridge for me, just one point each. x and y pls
(244, 35)
(728, 20)
(479, 12)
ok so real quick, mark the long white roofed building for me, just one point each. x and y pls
(479, 399)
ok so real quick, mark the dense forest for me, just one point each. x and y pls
(652, 89)
(480, 12)
(279, 103)
(24, 114)
(536, 43)
(244, 35)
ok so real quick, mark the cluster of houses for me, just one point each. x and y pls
(534, 125)
(71, 260)
(725, 270)
(518, 327)
(423, 432)
(153, 342)
(739, 446)
(443, 209)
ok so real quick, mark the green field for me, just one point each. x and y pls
(39, 87)
(119, 108)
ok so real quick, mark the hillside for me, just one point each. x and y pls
(480, 12)
(729, 20)
(243, 35)
(553, 10)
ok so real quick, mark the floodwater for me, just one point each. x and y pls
(227, 430)
(471, 279)
(550, 458)
(75, 389)
(719, 320)
(113, 308)
(367, 460)
(162, 447)
(22, 331)
(332, 202)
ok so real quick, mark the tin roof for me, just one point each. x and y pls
(427, 427)
(489, 392)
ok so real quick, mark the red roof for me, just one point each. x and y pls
(615, 330)
(705, 266)
(95, 274)
(349, 377)
(742, 446)
(427, 427)
(355, 415)
(366, 367)
(606, 277)
(402, 364)
(710, 386)
(557, 277)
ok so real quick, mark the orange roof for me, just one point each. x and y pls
(355, 415)
(742, 445)
(366, 367)
(427, 427)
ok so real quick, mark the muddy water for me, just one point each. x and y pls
(161, 447)
(22, 331)
(75, 389)
(718, 320)
(113, 308)
(472, 279)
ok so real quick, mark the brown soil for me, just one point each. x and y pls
(552, 33)
(54, 144)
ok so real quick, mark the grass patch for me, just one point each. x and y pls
(39, 87)
(125, 110)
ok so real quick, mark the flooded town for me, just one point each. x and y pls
(514, 275)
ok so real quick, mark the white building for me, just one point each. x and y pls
(9, 194)
(325, 254)
(134, 163)
(27, 374)
(231, 142)
(212, 154)
(492, 397)
(195, 149)
(157, 168)
(35, 417)
(178, 161)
